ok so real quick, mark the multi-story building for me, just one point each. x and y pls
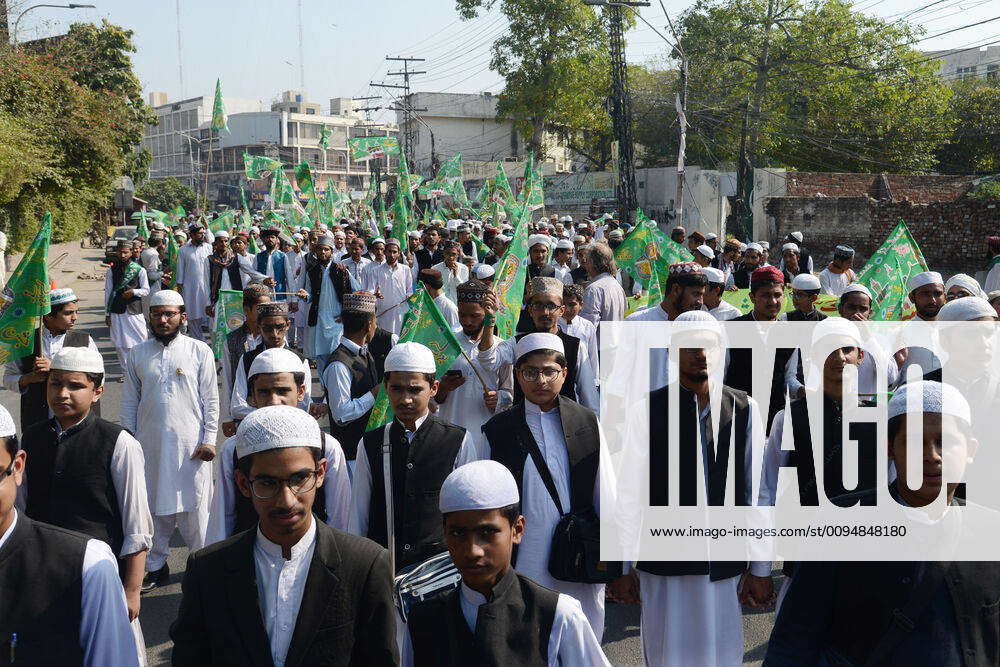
(290, 131)
(957, 64)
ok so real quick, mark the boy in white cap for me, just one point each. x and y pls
(423, 450)
(530, 439)
(806, 289)
(292, 591)
(62, 601)
(171, 404)
(718, 307)
(276, 378)
(27, 376)
(835, 278)
(522, 622)
(88, 474)
(124, 286)
(910, 612)
(561, 258)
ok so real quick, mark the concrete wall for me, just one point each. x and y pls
(918, 188)
(824, 223)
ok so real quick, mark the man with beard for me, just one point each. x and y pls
(928, 296)
(192, 279)
(790, 262)
(151, 259)
(327, 283)
(355, 261)
(753, 258)
(392, 284)
(453, 272)
(124, 286)
(224, 271)
(838, 275)
(429, 254)
(685, 290)
(171, 405)
(273, 263)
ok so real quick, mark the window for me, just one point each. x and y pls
(311, 112)
(293, 130)
(993, 73)
(310, 131)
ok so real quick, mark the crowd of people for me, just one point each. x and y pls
(298, 518)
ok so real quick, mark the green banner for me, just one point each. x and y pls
(510, 276)
(259, 166)
(426, 325)
(532, 193)
(228, 318)
(887, 274)
(324, 136)
(366, 148)
(502, 194)
(173, 254)
(26, 297)
(826, 303)
(219, 121)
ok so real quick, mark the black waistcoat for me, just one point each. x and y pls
(468, 248)
(235, 348)
(71, 484)
(543, 271)
(34, 404)
(215, 277)
(41, 579)
(418, 471)
(363, 379)
(571, 347)
(513, 628)
(741, 276)
(510, 442)
(341, 279)
(797, 315)
(733, 418)
(739, 373)
(119, 304)
(426, 259)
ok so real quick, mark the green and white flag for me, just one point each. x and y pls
(219, 121)
(426, 325)
(510, 276)
(26, 297)
(887, 275)
(143, 229)
(282, 192)
(224, 222)
(259, 166)
(228, 318)
(502, 194)
(324, 136)
(532, 193)
(173, 255)
(366, 148)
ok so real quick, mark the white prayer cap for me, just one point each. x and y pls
(78, 359)
(790, 246)
(410, 358)
(696, 316)
(966, 282)
(483, 271)
(62, 295)
(7, 428)
(937, 397)
(743, 247)
(706, 251)
(182, 235)
(615, 234)
(414, 234)
(564, 244)
(538, 341)
(754, 246)
(836, 326)
(714, 275)
(255, 229)
(480, 485)
(579, 239)
(925, 278)
(221, 234)
(806, 281)
(966, 309)
(797, 236)
(276, 427)
(536, 239)
(339, 235)
(765, 245)
(296, 236)
(565, 218)
(275, 360)
(857, 287)
(166, 297)
(711, 236)
(453, 223)
(377, 239)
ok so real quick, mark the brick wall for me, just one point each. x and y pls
(823, 221)
(917, 188)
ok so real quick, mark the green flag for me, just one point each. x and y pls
(502, 193)
(304, 179)
(887, 274)
(176, 214)
(228, 318)
(253, 248)
(26, 297)
(366, 148)
(510, 277)
(324, 136)
(219, 122)
(224, 222)
(142, 229)
(425, 325)
(639, 255)
(173, 254)
(259, 166)
(281, 189)
(532, 193)
(481, 248)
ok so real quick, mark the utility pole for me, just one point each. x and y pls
(180, 59)
(367, 110)
(681, 104)
(408, 132)
(4, 25)
(302, 57)
(742, 195)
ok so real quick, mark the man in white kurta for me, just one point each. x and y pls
(453, 272)
(356, 261)
(127, 328)
(171, 404)
(296, 262)
(391, 283)
(151, 261)
(192, 279)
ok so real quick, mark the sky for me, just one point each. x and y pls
(253, 45)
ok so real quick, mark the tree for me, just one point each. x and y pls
(552, 57)
(823, 88)
(137, 164)
(974, 147)
(167, 194)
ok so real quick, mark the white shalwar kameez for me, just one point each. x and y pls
(171, 404)
(193, 279)
(452, 278)
(586, 331)
(447, 308)
(395, 284)
(356, 269)
(336, 490)
(127, 329)
(835, 283)
(297, 334)
(323, 339)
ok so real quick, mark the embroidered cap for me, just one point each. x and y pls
(276, 427)
(62, 295)
(767, 274)
(472, 291)
(479, 485)
(166, 297)
(359, 302)
(78, 359)
(684, 269)
(272, 309)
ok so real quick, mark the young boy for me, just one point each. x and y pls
(523, 623)
(581, 327)
(276, 378)
(88, 474)
(805, 291)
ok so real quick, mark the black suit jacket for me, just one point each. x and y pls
(347, 615)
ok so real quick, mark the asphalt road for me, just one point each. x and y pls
(159, 608)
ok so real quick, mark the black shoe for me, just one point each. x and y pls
(154, 579)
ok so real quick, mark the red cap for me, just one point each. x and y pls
(767, 274)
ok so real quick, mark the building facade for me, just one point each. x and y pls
(960, 64)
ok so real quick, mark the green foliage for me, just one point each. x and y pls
(167, 194)
(136, 165)
(986, 191)
(974, 147)
(838, 90)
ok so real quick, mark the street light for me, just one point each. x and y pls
(71, 5)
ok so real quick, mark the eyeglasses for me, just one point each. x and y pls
(265, 488)
(274, 328)
(545, 307)
(533, 374)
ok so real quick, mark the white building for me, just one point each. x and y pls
(467, 124)
(956, 64)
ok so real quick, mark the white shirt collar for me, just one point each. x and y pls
(536, 409)
(9, 531)
(299, 549)
(416, 425)
(351, 346)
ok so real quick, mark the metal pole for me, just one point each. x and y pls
(621, 116)
(208, 167)
(682, 145)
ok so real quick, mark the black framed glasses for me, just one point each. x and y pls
(534, 374)
(265, 488)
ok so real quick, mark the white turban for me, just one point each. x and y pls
(166, 297)
(925, 278)
(790, 246)
(538, 341)
(937, 398)
(275, 360)
(715, 276)
(564, 244)
(78, 359)
(806, 281)
(797, 236)
(480, 485)
(535, 239)
(966, 309)
(410, 358)
(857, 287)
(711, 236)
(966, 282)
(276, 427)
